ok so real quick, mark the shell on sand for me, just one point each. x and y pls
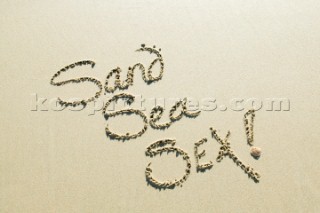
(255, 151)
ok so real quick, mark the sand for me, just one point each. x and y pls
(62, 161)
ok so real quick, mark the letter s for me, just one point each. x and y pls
(77, 80)
(164, 146)
(130, 99)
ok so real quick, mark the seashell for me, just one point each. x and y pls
(255, 152)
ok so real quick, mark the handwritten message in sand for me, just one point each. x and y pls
(177, 112)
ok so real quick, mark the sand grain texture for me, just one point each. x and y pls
(62, 161)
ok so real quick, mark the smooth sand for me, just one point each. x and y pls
(63, 162)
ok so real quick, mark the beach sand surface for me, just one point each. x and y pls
(62, 161)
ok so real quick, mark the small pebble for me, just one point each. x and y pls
(255, 152)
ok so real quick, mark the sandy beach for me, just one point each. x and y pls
(220, 55)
